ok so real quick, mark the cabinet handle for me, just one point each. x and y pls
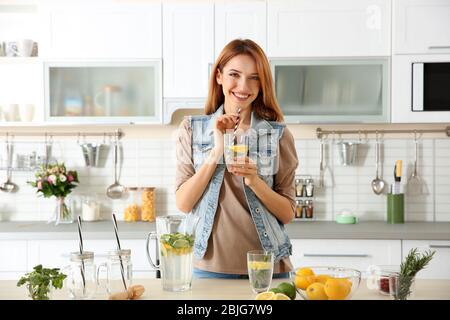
(336, 255)
(438, 47)
(210, 65)
(439, 246)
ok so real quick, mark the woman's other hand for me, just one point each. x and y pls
(246, 169)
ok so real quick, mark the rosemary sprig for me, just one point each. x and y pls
(413, 263)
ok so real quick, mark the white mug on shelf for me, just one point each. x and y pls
(26, 112)
(24, 47)
(11, 112)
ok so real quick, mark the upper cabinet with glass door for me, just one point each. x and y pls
(333, 90)
(109, 92)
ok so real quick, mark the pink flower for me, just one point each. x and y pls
(51, 179)
(70, 178)
(39, 185)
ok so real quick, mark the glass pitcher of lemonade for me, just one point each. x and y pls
(175, 241)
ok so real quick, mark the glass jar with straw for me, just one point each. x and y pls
(81, 281)
(119, 269)
(81, 278)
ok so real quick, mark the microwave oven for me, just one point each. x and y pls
(430, 87)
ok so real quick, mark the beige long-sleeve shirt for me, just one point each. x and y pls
(234, 232)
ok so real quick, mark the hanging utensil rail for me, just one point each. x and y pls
(117, 133)
(320, 133)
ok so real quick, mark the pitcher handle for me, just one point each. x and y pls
(151, 235)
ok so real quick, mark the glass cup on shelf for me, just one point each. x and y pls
(260, 269)
(235, 148)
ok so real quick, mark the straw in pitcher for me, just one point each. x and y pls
(116, 231)
(81, 253)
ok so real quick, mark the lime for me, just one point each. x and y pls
(288, 289)
(275, 290)
(181, 243)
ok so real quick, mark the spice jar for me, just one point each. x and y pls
(148, 204)
(309, 209)
(131, 212)
(299, 209)
(90, 208)
(299, 187)
(309, 188)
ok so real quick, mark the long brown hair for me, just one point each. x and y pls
(265, 104)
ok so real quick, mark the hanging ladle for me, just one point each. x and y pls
(9, 186)
(116, 190)
(377, 183)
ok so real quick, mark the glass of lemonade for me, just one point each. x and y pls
(260, 269)
(235, 148)
(175, 241)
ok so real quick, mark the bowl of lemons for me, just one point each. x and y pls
(326, 283)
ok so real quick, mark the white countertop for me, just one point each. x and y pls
(36, 230)
(232, 290)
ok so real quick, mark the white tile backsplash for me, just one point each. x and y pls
(151, 162)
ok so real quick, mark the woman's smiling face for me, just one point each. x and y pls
(240, 81)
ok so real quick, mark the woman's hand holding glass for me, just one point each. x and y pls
(246, 169)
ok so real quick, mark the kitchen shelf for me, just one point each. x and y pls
(18, 169)
(21, 60)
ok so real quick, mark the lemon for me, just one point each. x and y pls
(268, 295)
(241, 148)
(316, 291)
(281, 296)
(322, 278)
(337, 289)
(304, 272)
(260, 265)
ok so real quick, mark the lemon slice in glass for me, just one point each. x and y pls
(240, 148)
(281, 296)
(268, 295)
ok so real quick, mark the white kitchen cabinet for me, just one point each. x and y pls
(101, 29)
(246, 20)
(312, 28)
(439, 267)
(13, 259)
(188, 48)
(421, 26)
(350, 253)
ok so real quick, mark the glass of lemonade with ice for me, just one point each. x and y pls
(235, 147)
(260, 269)
(175, 241)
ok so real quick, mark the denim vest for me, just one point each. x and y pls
(263, 147)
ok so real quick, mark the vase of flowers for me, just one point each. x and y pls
(56, 181)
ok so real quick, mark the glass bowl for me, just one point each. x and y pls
(326, 283)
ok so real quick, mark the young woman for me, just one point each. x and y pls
(244, 208)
